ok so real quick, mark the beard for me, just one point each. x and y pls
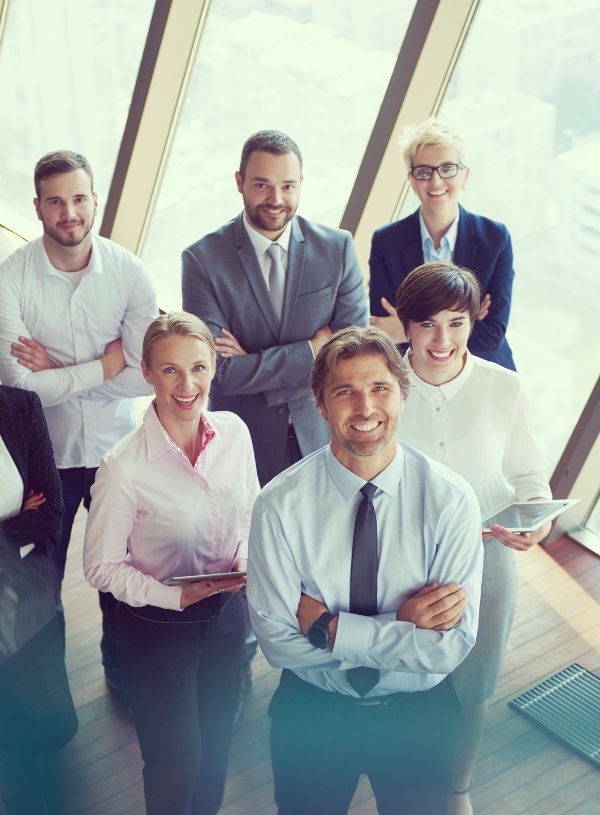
(74, 238)
(266, 223)
(368, 447)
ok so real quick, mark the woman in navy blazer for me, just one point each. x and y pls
(433, 149)
(36, 709)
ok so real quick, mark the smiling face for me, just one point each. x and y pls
(181, 369)
(438, 195)
(271, 190)
(362, 404)
(439, 345)
(66, 207)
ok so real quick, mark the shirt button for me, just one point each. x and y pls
(438, 409)
(441, 444)
(281, 410)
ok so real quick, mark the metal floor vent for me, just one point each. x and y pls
(568, 706)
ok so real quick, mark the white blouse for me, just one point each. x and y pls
(479, 425)
(154, 515)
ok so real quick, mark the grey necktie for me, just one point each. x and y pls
(276, 278)
(363, 579)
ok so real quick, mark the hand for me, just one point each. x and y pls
(30, 354)
(319, 338)
(228, 346)
(240, 565)
(201, 589)
(484, 307)
(309, 610)
(113, 360)
(435, 607)
(34, 500)
(391, 324)
(520, 541)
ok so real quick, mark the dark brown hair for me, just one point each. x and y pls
(60, 161)
(355, 342)
(435, 287)
(268, 141)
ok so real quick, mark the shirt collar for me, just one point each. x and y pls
(448, 389)
(448, 238)
(348, 483)
(94, 266)
(262, 243)
(158, 441)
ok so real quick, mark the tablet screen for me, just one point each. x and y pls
(527, 516)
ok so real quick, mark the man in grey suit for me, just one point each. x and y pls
(273, 287)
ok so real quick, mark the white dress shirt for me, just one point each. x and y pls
(11, 483)
(479, 425)
(86, 414)
(154, 516)
(445, 252)
(428, 530)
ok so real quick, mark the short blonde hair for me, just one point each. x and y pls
(177, 323)
(432, 131)
(351, 342)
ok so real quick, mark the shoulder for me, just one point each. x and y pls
(115, 255)
(319, 233)
(435, 479)
(127, 452)
(304, 476)
(15, 263)
(213, 241)
(489, 377)
(227, 424)
(486, 227)
(397, 229)
(17, 398)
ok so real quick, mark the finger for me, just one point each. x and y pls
(388, 307)
(427, 590)
(29, 342)
(450, 613)
(440, 593)
(377, 321)
(226, 332)
(449, 625)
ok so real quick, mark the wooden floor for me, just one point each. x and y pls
(520, 769)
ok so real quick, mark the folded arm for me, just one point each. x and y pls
(490, 331)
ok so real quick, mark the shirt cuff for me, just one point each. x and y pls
(165, 596)
(352, 637)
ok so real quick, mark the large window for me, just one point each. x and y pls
(67, 71)
(317, 69)
(526, 96)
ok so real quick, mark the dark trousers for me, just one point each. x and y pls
(37, 716)
(321, 742)
(76, 485)
(181, 671)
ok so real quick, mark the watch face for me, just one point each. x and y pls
(318, 636)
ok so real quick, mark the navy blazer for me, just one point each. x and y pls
(24, 432)
(482, 245)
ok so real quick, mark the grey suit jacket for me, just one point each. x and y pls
(223, 284)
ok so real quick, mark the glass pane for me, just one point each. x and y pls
(525, 97)
(317, 69)
(67, 72)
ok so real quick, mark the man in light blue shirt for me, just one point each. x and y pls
(367, 596)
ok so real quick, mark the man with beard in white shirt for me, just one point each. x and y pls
(73, 311)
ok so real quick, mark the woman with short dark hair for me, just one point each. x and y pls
(471, 415)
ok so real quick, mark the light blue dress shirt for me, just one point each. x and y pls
(445, 252)
(429, 530)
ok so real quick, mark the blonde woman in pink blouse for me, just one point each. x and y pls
(175, 498)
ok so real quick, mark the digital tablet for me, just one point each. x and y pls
(527, 516)
(194, 578)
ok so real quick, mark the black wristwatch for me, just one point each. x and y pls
(318, 633)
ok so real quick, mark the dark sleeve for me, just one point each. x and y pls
(379, 282)
(488, 334)
(39, 526)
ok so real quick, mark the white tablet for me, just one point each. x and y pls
(194, 578)
(527, 516)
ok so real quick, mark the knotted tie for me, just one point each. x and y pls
(276, 278)
(363, 579)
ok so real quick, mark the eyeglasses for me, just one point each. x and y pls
(423, 172)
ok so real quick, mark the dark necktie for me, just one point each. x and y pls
(363, 579)
(276, 278)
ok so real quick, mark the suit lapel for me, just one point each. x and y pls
(293, 275)
(465, 250)
(254, 275)
(412, 250)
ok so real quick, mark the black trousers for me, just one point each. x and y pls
(321, 742)
(182, 670)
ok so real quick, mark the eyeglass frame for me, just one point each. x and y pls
(458, 165)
